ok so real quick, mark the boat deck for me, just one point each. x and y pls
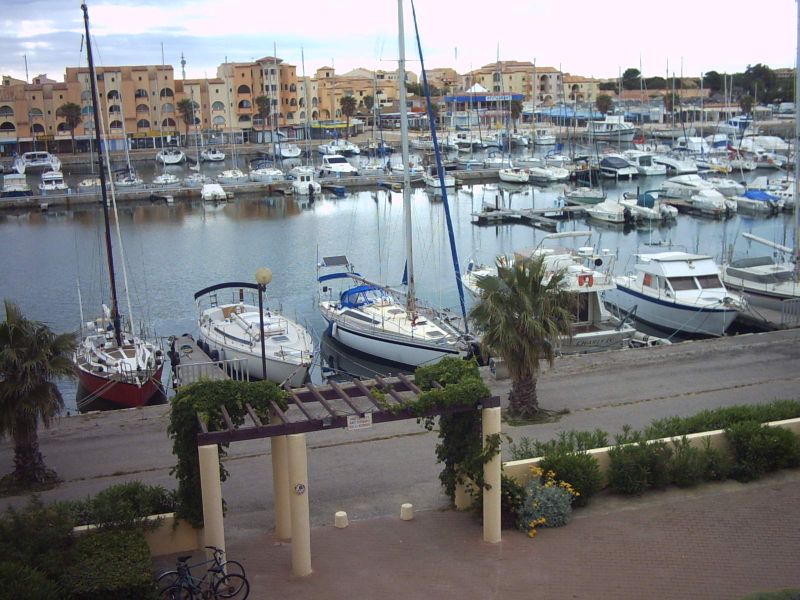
(193, 364)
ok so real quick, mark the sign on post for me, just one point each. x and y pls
(355, 422)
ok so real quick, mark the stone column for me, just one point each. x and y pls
(213, 525)
(301, 522)
(280, 485)
(491, 476)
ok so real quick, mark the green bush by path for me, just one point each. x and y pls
(19, 581)
(123, 506)
(577, 468)
(758, 450)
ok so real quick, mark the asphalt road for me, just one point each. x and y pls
(369, 473)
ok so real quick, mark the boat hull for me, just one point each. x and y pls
(277, 371)
(120, 393)
(671, 316)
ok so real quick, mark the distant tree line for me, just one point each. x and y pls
(757, 81)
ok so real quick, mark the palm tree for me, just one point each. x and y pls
(516, 112)
(520, 314)
(31, 357)
(186, 110)
(348, 104)
(71, 113)
(263, 106)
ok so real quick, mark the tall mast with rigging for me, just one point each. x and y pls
(109, 253)
(411, 305)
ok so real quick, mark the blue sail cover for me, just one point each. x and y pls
(357, 296)
(760, 195)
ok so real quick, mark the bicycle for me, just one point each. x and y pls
(223, 579)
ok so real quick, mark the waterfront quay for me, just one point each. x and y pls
(706, 539)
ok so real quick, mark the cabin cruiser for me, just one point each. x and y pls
(548, 174)
(431, 178)
(643, 161)
(303, 182)
(339, 146)
(336, 165)
(676, 292)
(514, 175)
(212, 155)
(594, 328)
(615, 166)
(583, 195)
(612, 128)
(543, 137)
(53, 181)
(234, 331)
(287, 150)
(15, 185)
(609, 212)
(166, 180)
(33, 161)
(676, 164)
(685, 186)
(170, 156)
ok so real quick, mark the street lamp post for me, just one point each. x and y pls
(263, 277)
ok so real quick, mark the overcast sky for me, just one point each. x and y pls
(581, 37)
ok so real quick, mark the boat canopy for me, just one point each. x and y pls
(357, 296)
(759, 195)
(647, 200)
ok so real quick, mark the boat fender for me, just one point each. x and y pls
(214, 355)
(334, 329)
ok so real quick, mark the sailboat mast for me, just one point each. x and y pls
(797, 154)
(401, 77)
(109, 253)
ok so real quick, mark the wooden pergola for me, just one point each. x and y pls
(353, 405)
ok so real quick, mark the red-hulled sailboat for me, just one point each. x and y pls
(114, 365)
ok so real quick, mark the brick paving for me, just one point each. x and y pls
(717, 541)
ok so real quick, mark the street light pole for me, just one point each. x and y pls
(263, 277)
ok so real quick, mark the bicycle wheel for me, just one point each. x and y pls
(167, 579)
(233, 567)
(232, 586)
(175, 592)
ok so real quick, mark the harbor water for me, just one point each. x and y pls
(53, 263)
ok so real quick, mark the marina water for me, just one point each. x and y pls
(171, 251)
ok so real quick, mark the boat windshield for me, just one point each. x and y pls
(336, 160)
(709, 282)
(682, 283)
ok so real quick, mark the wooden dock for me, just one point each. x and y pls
(190, 363)
(541, 218)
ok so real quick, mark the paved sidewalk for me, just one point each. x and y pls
(716, 541)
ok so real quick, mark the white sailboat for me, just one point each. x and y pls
(378, 320)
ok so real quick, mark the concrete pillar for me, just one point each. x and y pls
(491, 475)
(280, 485)
(301, 522)
(213, 525)
(463, 499)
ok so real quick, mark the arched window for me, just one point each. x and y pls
(63, 128)
(243, 89)
(302, 115)
(293, 102)
(314, 101)
(6, 111)
(168, 123)
(113, 95)
(167, 108)
(140, 93)
(245, 104)
(167, 93)
(36, 112)
(196, 121)
(116, 124)
(142, 108)
(87, 110)
(301, 102)
(143, 124)
(7, 126)
(218, 106)
(114, 108)
(38, 128)
(244, 118)
(289, 116)
(219, 120)
(293, 88)
(314, 115)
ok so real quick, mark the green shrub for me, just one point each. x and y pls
(659, 455)
(577, 468)
(123, 506)
(23, 582)
(758, 450)
(718, 463)
(688, 465)
(111, 564)
(629, 471)
(37, 535)
(779, 595)
(567, 441)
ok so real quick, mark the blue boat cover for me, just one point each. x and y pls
(357, 296)
(759, 195)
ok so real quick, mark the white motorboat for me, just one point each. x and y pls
(583, 195)
(469, 162)
(726, 186)
(643, 161)
(127, 178)
(232, 332)
(212, 154)
(685, 186)
(543, 137)
(232, 177)
(303, 182)
(376, 320)
(612, 128)
(514, 175)
(497, 161)
(36, 161)
(594, 328)
(616, 166)
(53, 181)
(213, 192)
(166, 180)
(676, 165)
(170, 156)
(195, 180)
(15, 185)
(691, 144)
(89, 185)
(765, 280)
(676, 292)
(608, 211)
(339, 146)
(336, 165)
(265, 173)
(648, 206)
(287, 150)
(711, 202)
(431, 178)
(422, 142)
(547, 174)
